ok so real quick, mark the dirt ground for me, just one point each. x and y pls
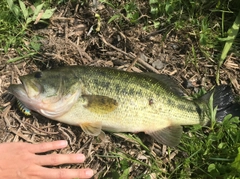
(69, 40)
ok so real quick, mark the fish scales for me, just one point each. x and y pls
(108, 99)
(123, 86)
(133, 101)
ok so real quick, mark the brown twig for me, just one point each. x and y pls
(133, 63)
(132, 56)
(19, 134)
(40, 131)
(80, 51)
(71, 137)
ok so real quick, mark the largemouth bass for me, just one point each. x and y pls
(108, 99)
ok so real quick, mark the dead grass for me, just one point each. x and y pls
(69, 41)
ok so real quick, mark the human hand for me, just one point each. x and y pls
(20, 161)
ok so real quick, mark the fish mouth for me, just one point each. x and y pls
(18, 90)
(23, 93)
(26, 89)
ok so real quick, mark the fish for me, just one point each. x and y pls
(106, 99)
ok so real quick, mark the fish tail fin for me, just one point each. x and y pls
(233, 109)
(224, 100)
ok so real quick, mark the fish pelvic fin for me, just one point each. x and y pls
(100, 104)
(169, 136)
(224, 100)
(93, 128)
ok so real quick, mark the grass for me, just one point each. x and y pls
(232, 34)
(204, 152)
(16, 20)
(203, 19)
(8, 29)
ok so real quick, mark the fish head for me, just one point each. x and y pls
(50, 93)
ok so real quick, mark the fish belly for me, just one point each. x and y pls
(129, 116)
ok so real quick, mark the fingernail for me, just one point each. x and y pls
(63, 143)
(89, 173)
(80, 157)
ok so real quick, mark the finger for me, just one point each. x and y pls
(50, 173)
(47, 146)
(58, 159)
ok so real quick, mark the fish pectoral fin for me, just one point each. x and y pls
(93, 128)
(100, 104)
(169, 136)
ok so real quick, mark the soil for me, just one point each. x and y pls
(71, 39)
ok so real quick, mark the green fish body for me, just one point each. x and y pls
(108, 99)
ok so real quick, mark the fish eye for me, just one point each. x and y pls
(38, 74)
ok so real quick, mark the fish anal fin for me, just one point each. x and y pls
(100, 104)
(169, 136)
(91, 128)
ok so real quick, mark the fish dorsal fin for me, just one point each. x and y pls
(100, 104)
(169, 83)
(91, 128)
(169, 136)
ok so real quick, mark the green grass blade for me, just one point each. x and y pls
(236, 163)
(24, 9)
(232, 33)
(21, 58)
